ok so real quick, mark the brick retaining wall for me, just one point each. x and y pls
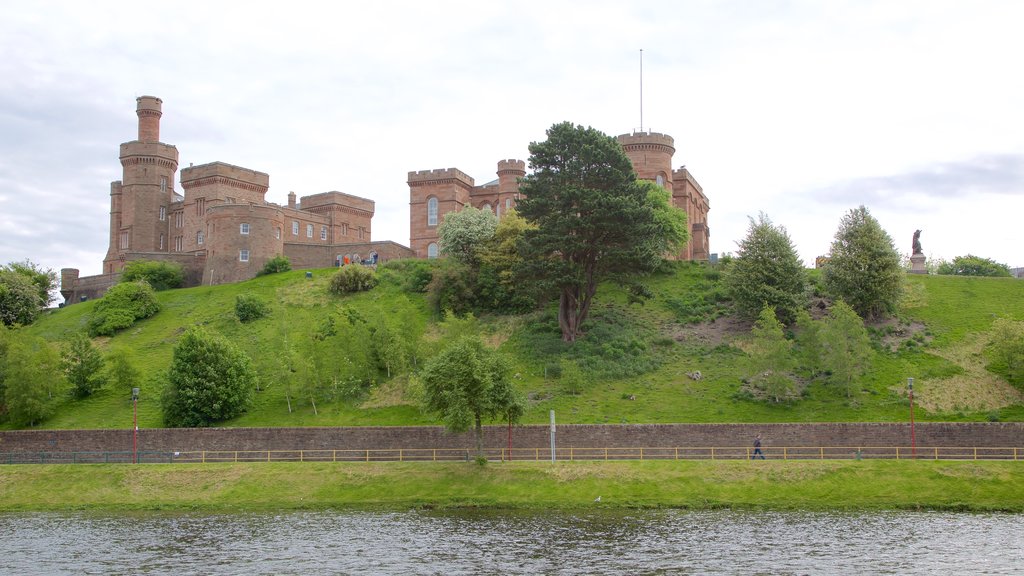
(928, 434)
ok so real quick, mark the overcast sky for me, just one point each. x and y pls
(802, 110)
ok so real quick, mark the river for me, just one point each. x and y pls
(509, 542)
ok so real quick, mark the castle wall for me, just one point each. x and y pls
(451, 187)
(233, 256)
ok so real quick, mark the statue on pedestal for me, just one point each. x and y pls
(917, 242)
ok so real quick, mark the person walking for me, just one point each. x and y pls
(757, 448)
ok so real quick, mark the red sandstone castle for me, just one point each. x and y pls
(434, 193)
(221, 229)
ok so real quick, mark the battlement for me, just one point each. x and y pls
(511, 165)
(440, 175)
(223, 173)
(683, 174)
(652, 139)
(335, 198)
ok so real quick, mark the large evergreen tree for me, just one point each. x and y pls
(767, 272)
(594, 220)
(864, 267)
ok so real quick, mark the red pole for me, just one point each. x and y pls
(510, 439)
(913, 444)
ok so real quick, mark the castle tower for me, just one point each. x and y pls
(509, 173)
(651, 154)
(432, 194)
(140, 201)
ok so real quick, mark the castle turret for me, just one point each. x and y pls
(651, 154)
(509, 174)
(149, 110)
(140, 203)
(432, 194)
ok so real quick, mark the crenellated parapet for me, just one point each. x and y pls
(511, 167)
(647, 141)
(440, 176)
(223, 174)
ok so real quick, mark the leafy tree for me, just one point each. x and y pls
(390, 350)
(121, 306)
(468, 382)
(771, 357)
(32, 377)
(571, 376)
(45, 281)
(353, 278)
(83, 365)
(465, 232)
(452, 288)
(767, 272)
(249, 307)
(160, 275)
(846, 346)
(594, 221)
(4, 347)
(808, 344)
(210, 380)
(1006, 349)
(121, 372)
(19, 299)
(497, 287)
(864, 267)
(279, 263)
(970, 265)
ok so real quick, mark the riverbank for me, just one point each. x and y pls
(778, 485)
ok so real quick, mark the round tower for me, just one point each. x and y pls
(509, 174)
(651, 154)
(149, 110)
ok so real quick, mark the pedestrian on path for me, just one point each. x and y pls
(757, 448)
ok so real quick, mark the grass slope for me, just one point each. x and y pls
(635, 357)
(806, 485)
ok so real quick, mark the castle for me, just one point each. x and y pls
(221, 229)
(434, 193)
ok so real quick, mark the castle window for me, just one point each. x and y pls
(344, 228)
(199, 237)
(323, 232)
(163, 185)
(432, 212)
(361, 232)
(487, 207)
(277, 233)
(161, 241)
(295, 228)
(200, 206)
(309, 230)
(508, 204)
(243, 255)
(432, 250)
(244, 229)
(124, 240)
(660, 180)
(179, 219)
(177, 243)
(163, 213)
(230, 200)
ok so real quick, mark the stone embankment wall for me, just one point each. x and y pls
(974, 434)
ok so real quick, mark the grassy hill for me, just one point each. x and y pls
(635, 358)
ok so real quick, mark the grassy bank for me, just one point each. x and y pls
(809, 485)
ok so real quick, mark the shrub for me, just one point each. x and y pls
(1006, 349)
(971, 265)
(279, 263)
(353, 278)
(159, 275)
(82, 365)
(121, 306)
(249, 307)
(210, 380)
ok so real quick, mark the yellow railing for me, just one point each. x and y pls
(608, 454)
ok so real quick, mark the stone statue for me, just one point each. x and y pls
(917, 242)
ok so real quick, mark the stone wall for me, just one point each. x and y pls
(928, 435)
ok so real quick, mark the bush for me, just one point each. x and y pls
(453, 288)
(249, 307)
(353, 278)
(83, 365)
(1006, 349)
(121, 306)
(971, 265)
(19, 299)
(210, 380)
(159, 275)
(279, 263)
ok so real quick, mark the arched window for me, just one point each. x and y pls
(661, 180)
(432, 212)
(432, 250)
(487, 206)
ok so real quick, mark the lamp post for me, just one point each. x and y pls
(135, 425)
(910, 394)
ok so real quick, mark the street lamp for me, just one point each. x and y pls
(135, 425)
(910, 394)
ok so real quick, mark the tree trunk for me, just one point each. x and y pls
(479, 437)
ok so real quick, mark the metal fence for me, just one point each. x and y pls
(525, 454)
